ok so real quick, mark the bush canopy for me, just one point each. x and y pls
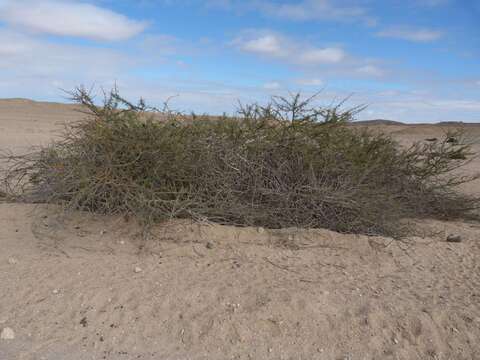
(286, 164)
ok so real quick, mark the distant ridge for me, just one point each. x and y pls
(21, 107)
(452, 123)
(20, 101)
(392, 122)
(378, 122)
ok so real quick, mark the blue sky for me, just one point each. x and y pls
(409, 60)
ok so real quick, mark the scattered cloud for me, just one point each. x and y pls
(370, 70)
(66, 18)
(322, 56)
(315, 10)
(26, 56)
(470, 105)
(270, 45)
(307, 56)
(36, 66)
(162, 45)
(306, 10)
(10, 48)
(411, 34)
(273, 45)
(431, 3)
(310, 82)
(274, 85)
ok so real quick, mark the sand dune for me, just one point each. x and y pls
(89, 287)
(25, 123)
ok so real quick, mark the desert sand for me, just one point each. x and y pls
(89, 287)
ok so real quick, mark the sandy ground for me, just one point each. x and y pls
(25, 123)
(89, 287)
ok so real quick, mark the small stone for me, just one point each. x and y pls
(454, 238)
(7, 334)
(103, 232)
(209, 245)
(121, 242)
(261, 230)
(55, 291)
(137, 269)
(84, 321)
(395, 340)
(12, 261)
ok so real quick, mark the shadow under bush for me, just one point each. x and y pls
(280, 165)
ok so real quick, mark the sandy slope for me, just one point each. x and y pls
(69, 290)
(24, 123)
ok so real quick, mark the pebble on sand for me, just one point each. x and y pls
(12, 261)
(137, 269)
(454, 238)
(7, 334)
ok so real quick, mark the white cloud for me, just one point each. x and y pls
(306, 56)
(306, 10)
(264, 45)
(37, 68)
(470, 105)
(12, 48)
(431, 3)
(273, 45)
(274, 85)
(67, 18)
(314, 9)
(411, 34)
(310, 82)
(389, 93)
(370, 70)
(322, 56)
